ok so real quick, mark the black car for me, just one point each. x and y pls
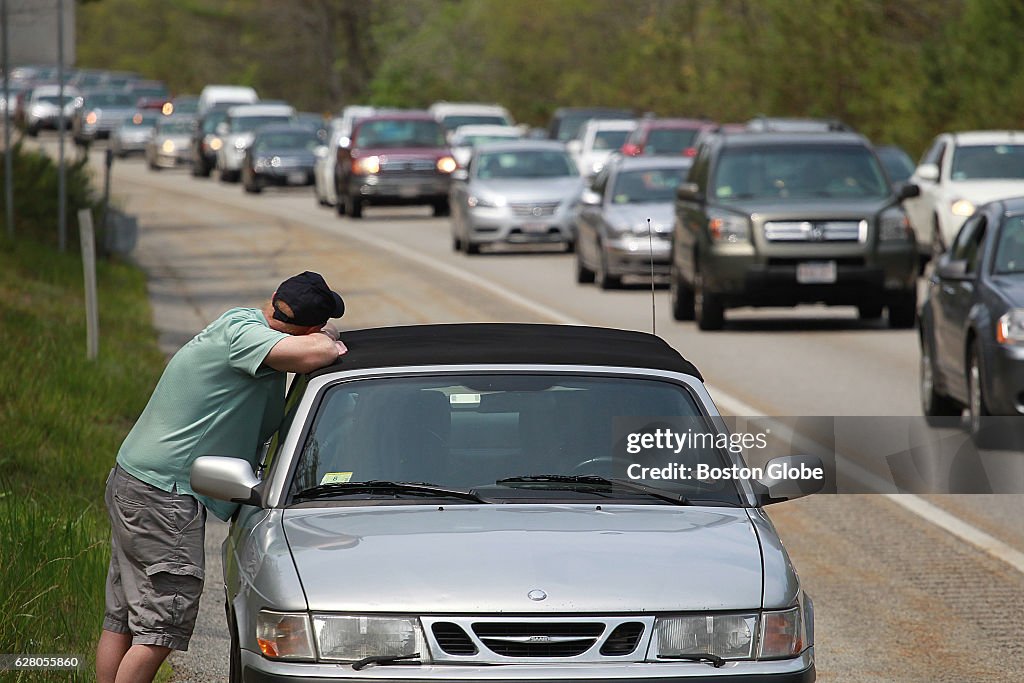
(206, 142)
(972, 321)
(280, 155)
(780, 219)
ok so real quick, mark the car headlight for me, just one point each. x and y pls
(728, 227)
(284, 635)
(366, 165)
(894, 226)
(1010, 327)
(216, 143)
(167, 147)
(729, 636)
(962, 207)
(495, 202)
(783, 634)
(91, 118)
(351, 638)
(446, 164)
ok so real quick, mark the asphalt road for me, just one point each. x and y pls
(897, 597)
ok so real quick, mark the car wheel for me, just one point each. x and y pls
(903, 310)
(976, 407)
(472, 248)
(681, 296)
(442, 208)
(456, 243)
(341, 206)
(584, 275)
(708, 310)
(602, 277)
(253, 187)
(355, 206)
(869, 311)
(570, 246)
(933, 404)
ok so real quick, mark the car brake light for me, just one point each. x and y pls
(631, 150)
(690, 152)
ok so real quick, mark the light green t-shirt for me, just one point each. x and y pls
(214, 398)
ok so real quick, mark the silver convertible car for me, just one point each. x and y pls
(464, 503)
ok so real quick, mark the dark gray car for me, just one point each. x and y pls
(972, 320)
(613, 236)
(780, 219)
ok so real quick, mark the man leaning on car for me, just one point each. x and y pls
(222, 393)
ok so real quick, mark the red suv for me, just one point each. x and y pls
(665, 137)
(398, 158)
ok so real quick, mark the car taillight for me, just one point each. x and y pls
(690, 152)
(631, 149)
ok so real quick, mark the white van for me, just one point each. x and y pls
(232, 94)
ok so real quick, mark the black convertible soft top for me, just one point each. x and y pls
(506, 343)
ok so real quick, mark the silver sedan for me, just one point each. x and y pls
(614, 238)
(518, 192)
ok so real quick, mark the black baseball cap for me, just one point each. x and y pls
(311, 301)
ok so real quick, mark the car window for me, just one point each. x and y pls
(799, 172)
(652, 185)
(400, 133)
(934, 153)
(525, 164)
(247, 124)
(605, 140)
(968, 240)
(897, 164)
(472, 430)
(1009, 256)
(669, 140)
(286, 140)
(600, 182)
(454, 121)
(979, 162)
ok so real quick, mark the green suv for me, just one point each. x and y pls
(780, 219)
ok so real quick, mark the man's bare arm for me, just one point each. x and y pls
(305, 353)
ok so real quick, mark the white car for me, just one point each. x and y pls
(451, 115)
(959, 172)
(327, 155)
(463, 139)
(43, 109)
(597, 140)
(239, 129)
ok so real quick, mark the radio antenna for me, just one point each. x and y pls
(650, 240)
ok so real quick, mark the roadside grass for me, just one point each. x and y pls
(62, 419)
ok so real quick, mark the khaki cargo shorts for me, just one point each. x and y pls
(156, 562)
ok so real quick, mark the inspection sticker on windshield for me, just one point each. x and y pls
(816, 272)
(336, 478)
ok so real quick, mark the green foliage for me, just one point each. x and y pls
(63, 419)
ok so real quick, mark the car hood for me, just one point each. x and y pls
(486, 558)
(808, 209)
(661, 214)
(531, 189)
(1011, 288)
(981, 191)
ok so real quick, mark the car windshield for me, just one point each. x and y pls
(139, 93)
(799, 172)
(897, 164)
(286, 140)
(651, 185)
(454, 121)
(1010, 249)
(569, 124)
(247, 124)
(110, 100)
(140, 120)
(979, 162)
(175, 127)
(189, 106)
(669, 140)
(605, 140)
(471, 140)
(525, 164)
(396, 133)
(211, 120)
(467, 432)
(55, 99)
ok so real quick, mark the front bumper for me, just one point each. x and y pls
(632, 255)
(230, 158)
(744, 277)
(256, 669)
(1004, 369)
(285, 175)
(411, 188)
(176, 158)
(501, 225)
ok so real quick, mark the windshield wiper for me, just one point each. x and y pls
(355, 487)
(386, 659)
(713, 660)
(570, 482)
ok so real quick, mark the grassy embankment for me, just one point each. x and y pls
(62, 419)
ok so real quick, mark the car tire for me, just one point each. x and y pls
(584, 275)
(977, 409)
(708, 310)
(870, 310)
(903, 310)
(253, 187)
(472, 248)
(602, 277)
(355, 206)
(456, 243)
(933, 404)
(442, 208)
(681, 297)
(341, 206)
(570, 247)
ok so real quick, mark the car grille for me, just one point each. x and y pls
(816, 231)
(408, 165)
(534, 209)
(511, 639)
(623, 639)
(452, 639)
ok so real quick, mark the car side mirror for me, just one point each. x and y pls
(320, 151)
(590, 198)
(928, 172)
(222, 129)
(952, 269)
(460, 174)
(230, 479)
(689, 192)
(791, 476)
(907, 191)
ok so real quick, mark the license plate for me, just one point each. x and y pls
(816, 272)
(534, 227)
(296, 178)
(408, 191)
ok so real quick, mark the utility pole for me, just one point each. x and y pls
(8, 162)
(62, 193)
